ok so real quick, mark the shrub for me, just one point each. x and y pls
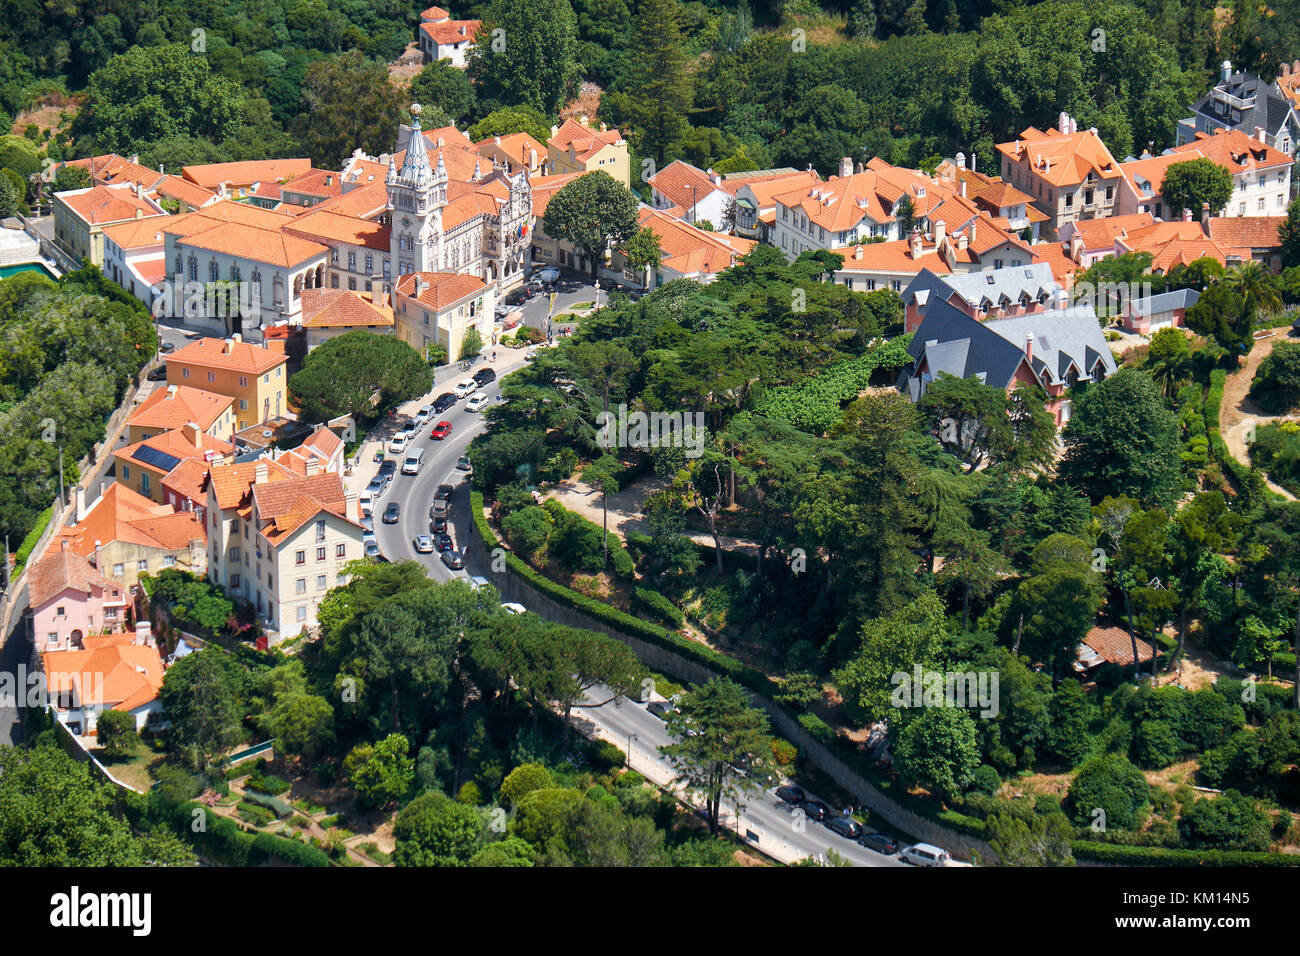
(605, 755)
(819, 729)
(469, 794)
(1229, 821)
(624, 567)
(115, 731)
(1156, 745)
(784, 753)
(986, 780)
(660, 606)
(524, 779)
(1112, 784)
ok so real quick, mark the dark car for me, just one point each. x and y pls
(791, 794)
(453, 560)
(879, 842)
(845, 827)
(443, 402)
(518, 297)
(663, 709)
(442, 541)
(438, 526)
(485, 375)
(166, 347)
(387, 468)
(392, 513)
(376, 487)
(158, 375)
(440, 431)
(444, 492)
(815, 810)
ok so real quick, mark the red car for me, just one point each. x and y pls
(440, 431)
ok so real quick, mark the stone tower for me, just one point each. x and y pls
(417, 194)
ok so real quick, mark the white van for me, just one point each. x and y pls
(414, 462)
(925, 854)
(366, 503)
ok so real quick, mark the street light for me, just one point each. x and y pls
(630, 737)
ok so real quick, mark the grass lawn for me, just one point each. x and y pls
(135, 771)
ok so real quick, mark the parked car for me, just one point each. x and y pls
(423, 544)
(549, 274)
(165, 348)
(478, 583)
(880, 842)
(158, 375)
(387, 468)
(466, 388)
(513, 608)
(438, 526)
(476, 403)
(439, 509)
(815, 810)
(371, 549)
(366, 503)
(376, 487)
(517, 297)
(443, 402)
(845, 826)
(442, 541)
(398, 443)
(925, 854)
(392, 513)
(663, 709)
(422, 416)
(463, 464)
(791, 794)
(485, 375)
(368, 524)
(453, 560)
(444, 492)
(440, 431)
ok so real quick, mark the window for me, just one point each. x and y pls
(320, 530)
(169, 561)
(212, 376)
(142, 565)
(144, 483)
(302, 612)
(300, 557)
(60, 611)
(117, 570)
(340, 551)
(243, 381)
(185, 373)
(320, 582)
(300, 586)
(126, 472)
(52, 637)
(234, 580)
(320, 554)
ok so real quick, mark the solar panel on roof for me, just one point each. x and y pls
(156, 458)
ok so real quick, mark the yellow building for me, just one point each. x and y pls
(255, 376)
(438, 308)
(143, 465)
(80, 216)
(178, 405)
(576, 147)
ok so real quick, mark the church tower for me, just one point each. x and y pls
(417, 194)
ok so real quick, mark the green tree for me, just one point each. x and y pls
(656, 77)
(1191, 184)
(593, 212)
(203, 695)
(1276, 386)
(1289, 235)
(1021, 836)
(471, 345)
(719, 731)
(1123, 440)
(70, 177)
(445, 87)
(512, 851)
(643, 251)
(937, 749)
(381, 773)
(343, 376)
(115, 733)
(348, 102)
(433, 830)
(914, 634)
(10, 204)
(512, 119)
(523, 780)
(1112, 785)
(1256, 286)
(532, 60)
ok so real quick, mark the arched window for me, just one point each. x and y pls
(234, 272)
(194, 269)
(212, 270)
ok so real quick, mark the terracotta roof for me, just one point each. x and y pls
(122, 514)
(843, 201)
(112, 168)
(451, 32)
(137, 233)
(434, 13)
(1062, 266)
(1235, 150)
(1062, 159)
(891, 257)
(584, 141)
(231, 484)
(152, 271)
(329, 226)
(315, 182)
(259, 245)
(364, 202)
(765, 191)
(104, 204)
(287, 505)
(111, 671)
(515, 145)
(1102, 233)
(480, 202)
(359, 172)
(324, 441)
(174, 187)
(212, 175)
(61, 569)
(227, 354)
(188, 479)
(1114, 644)
(1253, 232)
(689, 250)
(441, 289)
(682, 184)
(175, 405)
(341, 308)
(544, 187)
(167, 450)
(1178, 243)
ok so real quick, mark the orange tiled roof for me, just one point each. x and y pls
(1102, 233)
(287, 505)
(1062, 159)
(212, 175)
(111, 670)
(277, 248)
(359, 172)
(329, 226)
(61, 569)
(544, 187)
(341, 308)
(1178, 243)
(1116, 646)
(434, 13)
(765, 191)
(231, 484)
(891, 257)
(364, 202)
(227, 354)
(1253, 232)
(1062, 266)
(178, 446)
(176, 405)
(136, 233)
(111, 168)
(583, 140)
(173, 187)
(188, 479)
(451, 32)
(682, 184)
(122, 514)
(104, 204)
(515, 145)
(441, 289)
(1234, 150)
(689, 250)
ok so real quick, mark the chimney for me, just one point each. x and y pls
(1076, 247)
(972, 230)
(351, 506)
(312, 466)
(1284, 69)
(940, 232)
(1295, 67)
(583, 120)
(171, 391)
(713, 177)
(1187, 215)
(496, 140)
(532, 158)
(259, 471)
(857, 251)
(419, 287)
(961, 160)
(554, 130)
(846, 166)
(961, 188)
(377, 290)
(144, 632)
(192, 434)
(79, 498)
(135, 158)
(1029, 346)
(603, 128)
(1205, 212)
(1259, 133)
(1063, 122)
(914, 244)
(1225, 74)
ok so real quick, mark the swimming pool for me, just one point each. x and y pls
(7, 271)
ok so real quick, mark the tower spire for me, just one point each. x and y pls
(415, 166)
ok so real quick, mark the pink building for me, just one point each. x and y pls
(69, 600)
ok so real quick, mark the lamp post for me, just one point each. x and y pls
(694, 200)
(630, 737)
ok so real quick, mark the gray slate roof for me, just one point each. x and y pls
(990, 284)
(992, 351)
(1270, 109)
(1165, 302)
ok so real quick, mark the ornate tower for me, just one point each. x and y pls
(417, 194)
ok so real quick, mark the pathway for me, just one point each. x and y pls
(1238, 413)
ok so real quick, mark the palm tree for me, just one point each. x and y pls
(1256, 286)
